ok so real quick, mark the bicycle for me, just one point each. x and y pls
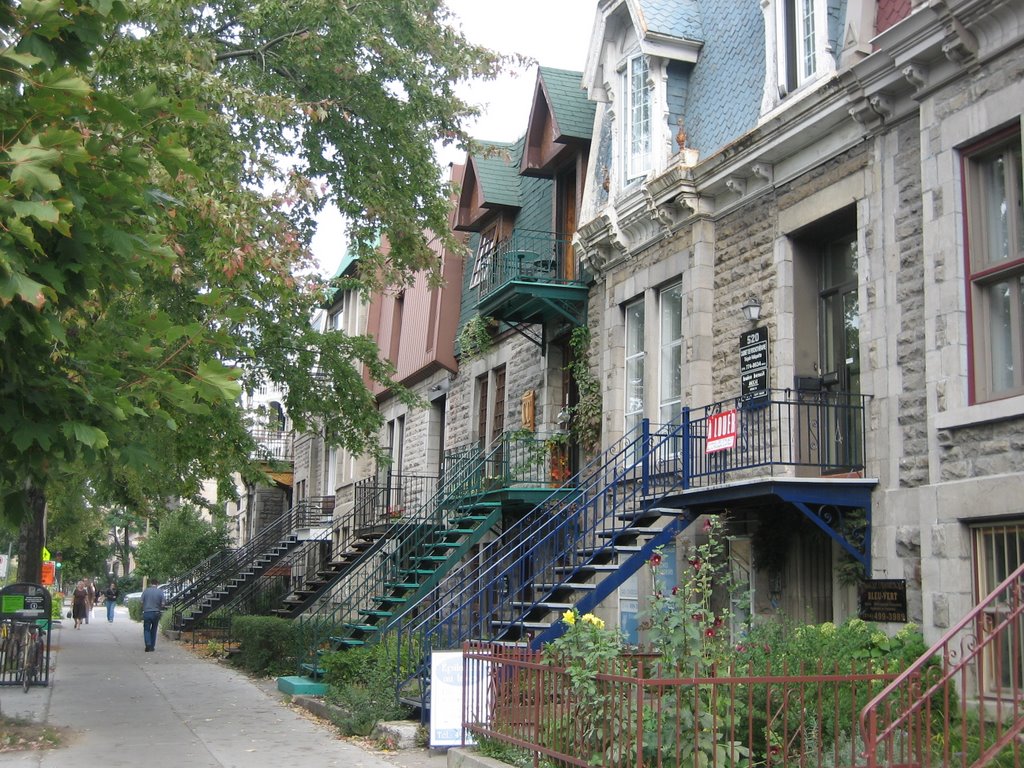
(31, 653)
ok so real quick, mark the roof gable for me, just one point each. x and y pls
(561, 121)
(491, 183)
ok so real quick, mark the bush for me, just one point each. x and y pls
(134, 609)
(267, 644)
(363, 683)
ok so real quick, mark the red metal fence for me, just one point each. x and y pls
(960, 704)
(635, 713)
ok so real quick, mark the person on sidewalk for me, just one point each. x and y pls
(110, 599)
(90, 589)
(152, 606)
(79, 604)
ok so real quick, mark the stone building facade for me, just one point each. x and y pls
(847, 184)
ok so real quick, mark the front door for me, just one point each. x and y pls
(839, 324)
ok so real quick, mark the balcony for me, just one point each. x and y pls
(272, 444)
(532, 277)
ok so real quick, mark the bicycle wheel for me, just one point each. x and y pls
(26, 665)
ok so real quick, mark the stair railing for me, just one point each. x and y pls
(555, 543)
(308, 513)
(513, 460)
(960, 703)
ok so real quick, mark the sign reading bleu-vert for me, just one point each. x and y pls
(754, 366)
(883, 600)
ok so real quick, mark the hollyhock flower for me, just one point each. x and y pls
(655, 560)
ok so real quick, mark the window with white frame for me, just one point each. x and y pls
(484, 254)
(994, 195)
(634, 365)
(637, 128)
(670, 361)
(798, 46)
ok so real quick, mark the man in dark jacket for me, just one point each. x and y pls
(152, 605)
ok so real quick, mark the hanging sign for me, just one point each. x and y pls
(754, 366)
(721, 432)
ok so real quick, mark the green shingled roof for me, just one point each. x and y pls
(572, 112)
(497, 173)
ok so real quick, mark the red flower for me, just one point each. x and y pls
(698, 617)
(707, 525)
(655, 560)
(696, 563)
(709, 632)
(675, 590)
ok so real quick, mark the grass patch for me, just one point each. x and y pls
(19, 735)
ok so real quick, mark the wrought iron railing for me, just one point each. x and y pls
(382, 499)
(634, 712)
(529, 255)
(308, 513)
(515, 574)
(273, 444)
(962, 702)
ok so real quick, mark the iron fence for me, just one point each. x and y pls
(528, 256)
(635, 712)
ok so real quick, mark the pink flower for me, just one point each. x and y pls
(696, 563)
(655, 560)
(675, 590)
(707, 525)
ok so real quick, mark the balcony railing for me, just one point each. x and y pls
(388, 497)
(530, 256)
(273, 444)
(820, 433)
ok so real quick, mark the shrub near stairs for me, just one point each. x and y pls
(362, 683)
(267, 644)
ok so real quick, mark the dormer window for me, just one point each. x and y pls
(797, 44)
(637, 140)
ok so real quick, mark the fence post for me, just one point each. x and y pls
(645, 453)
(640, 677)
(686, 447)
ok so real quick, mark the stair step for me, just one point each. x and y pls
(402, 584)
(551, 606)
(391, 599)
(351, 642)
(564, 585)
(378, 614)
(361, 627)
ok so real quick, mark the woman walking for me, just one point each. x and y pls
(79, 604)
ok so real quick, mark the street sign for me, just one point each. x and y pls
(47, 574)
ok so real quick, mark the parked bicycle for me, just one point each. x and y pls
(24, 645)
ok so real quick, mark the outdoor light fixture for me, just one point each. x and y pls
(752, 309)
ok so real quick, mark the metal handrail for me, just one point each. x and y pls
(564, 533)
(530, 255)
(933, 693)
(308, 513)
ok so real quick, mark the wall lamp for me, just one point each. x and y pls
(752, 309)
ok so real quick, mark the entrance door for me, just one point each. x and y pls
(565, 225)
(839, 324)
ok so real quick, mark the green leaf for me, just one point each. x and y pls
(62, 80)
(20, 285)
(32, 164)
(44, 211)
(26, 60)
(87, 435)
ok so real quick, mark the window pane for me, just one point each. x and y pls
(634, 328)
(638, 130)
(807, 37)
(1000, 335)
(635, 385)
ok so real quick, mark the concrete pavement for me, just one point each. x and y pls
(169, 708)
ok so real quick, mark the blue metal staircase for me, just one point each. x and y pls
(570, 551)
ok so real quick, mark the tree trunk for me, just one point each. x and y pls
(32, 536)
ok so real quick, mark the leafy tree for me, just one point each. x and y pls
(144, 274)
(183, 540)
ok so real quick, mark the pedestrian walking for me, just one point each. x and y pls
(79, 604)
(90, 589)
(110, 596)
(152, 606)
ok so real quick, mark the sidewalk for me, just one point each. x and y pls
(169, 708)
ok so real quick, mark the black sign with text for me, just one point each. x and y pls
(883, 600)
(754, 365)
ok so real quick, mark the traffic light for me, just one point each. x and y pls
(58, 558)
